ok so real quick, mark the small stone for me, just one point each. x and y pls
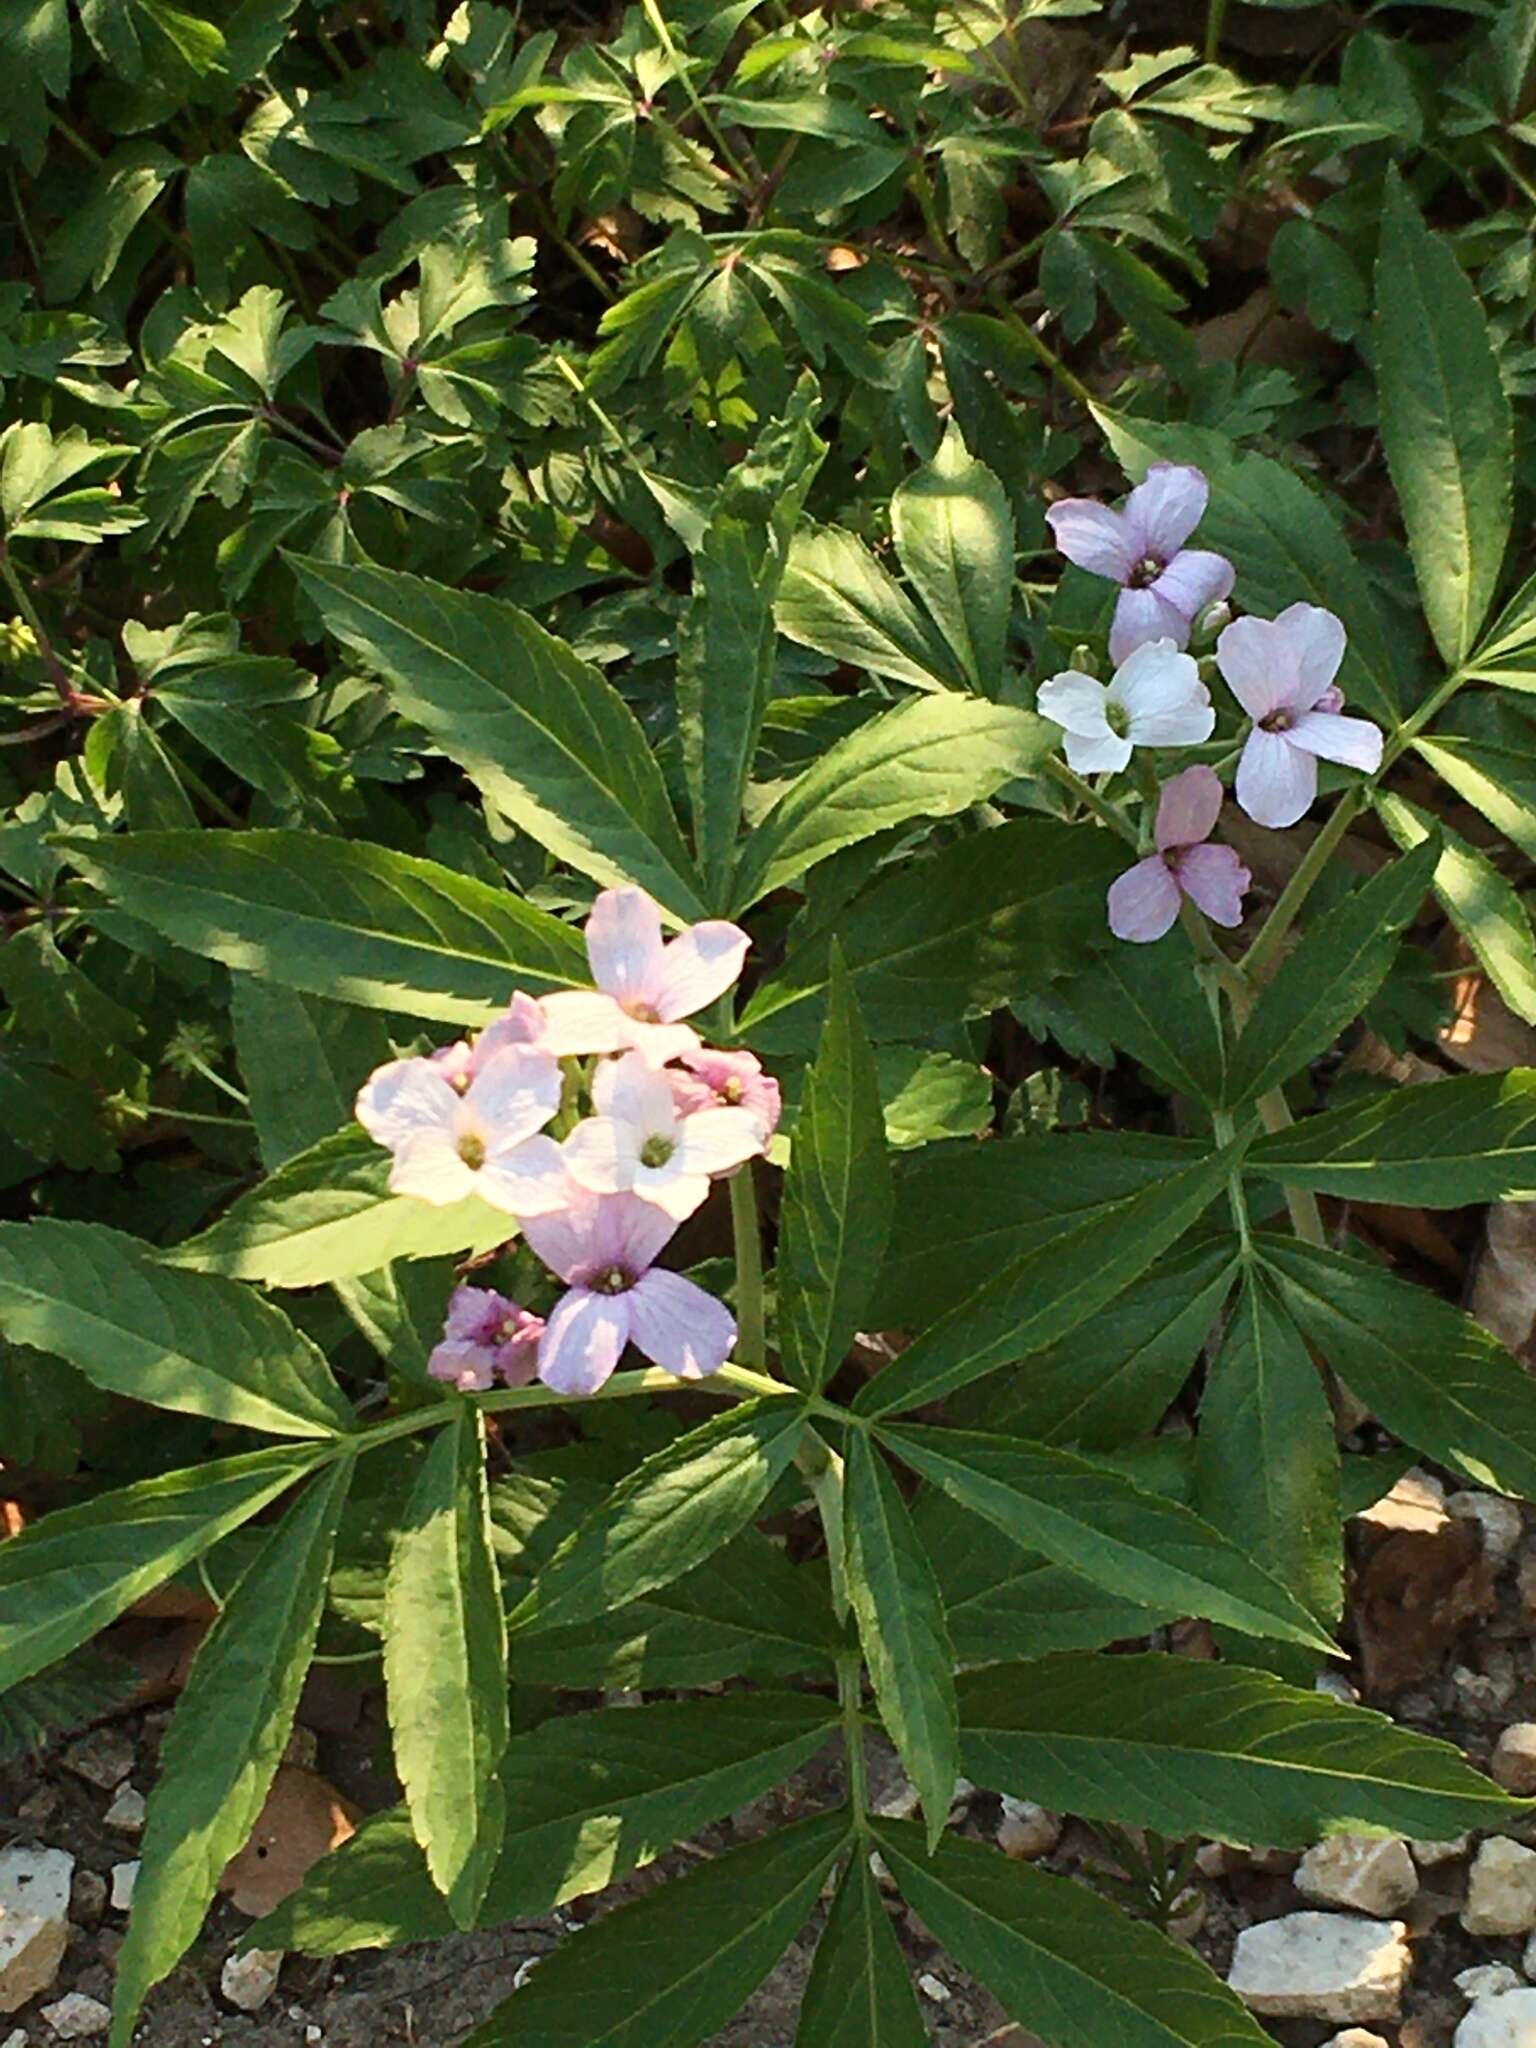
(34, 1921)
(1485, 1694)
(1501, 1890)
(76, 2018)
(1416, 1502)
(249, 1980)
(1219, 1859)
(1188, 1915)
(1487, 1980)
(126, 1811)
(1322, 1966)
(1525, 1581)
(1528, 1960)
(303, 1748)
(1370, 1874)
(17, 2039)
(1027, 1831)
(934, 1988)
(1513, 1764)
(1428, 1854)
(524, 1971)
(87, 1897)
(1356, 2037)
(1334, 1685)
(124, 1877)
(1507, 2021)
(313, 2034)
(39, 1808)
(103, 1758)
(1503, 1525)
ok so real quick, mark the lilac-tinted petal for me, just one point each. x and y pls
(623, 936)
(517, 1359)
(579, 1021)
(1154, 679)
(583, 1340)
(1316, 639)
(658, 1043)
(1143, 615)
(1075, 702)
(454, 1062)
(475, 1314)
(1276, 782)
(522, 1025)
(1106, 756)
(672, 1189)
(1259, 665)
(1353, 742)
(715, 1140)
(516, 1093)
(634, 1092)
(1144, 901)
(1194, 579)
(1188, 808)
(427, 1165)
(1092, 536)
(602, 1154)
(1332, 699)
(1185, 722)
(562, 1237)
(1214, 880)
(1164, 510)
(527, 1179)
(402, 1098)
(681, 1327)
(469, 1367)
(630, 1232)
(697, 966)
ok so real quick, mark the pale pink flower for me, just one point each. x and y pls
(645, 986)
(1154, 699)
(486, 1337)
(481, 1141)
(727, 1080)
(1164, 584)
(1281, 671)
(640, 1141)
(1144, 902)
(604, 1247)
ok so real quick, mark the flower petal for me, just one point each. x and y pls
(1188, 808)
(523, 1025)
(1156, 678)
(672, 1189)
(1106, 756)
(602, 1154)
(658, 1043)
(1193, 579)
(1144, 901)
(1215, 880)
(1259, 665)
(1276, 782)
(630, 1232)
(1317, 640)
(527, 1179)
(636, 1093)
(623, 935)
(579, 1021)
(469, 1367)
(679, 1326)
(1092, 536)
(427, 1164)
(516, 1093)
(1143, 615)
(1164, 510)
(562, 1237)
(584, 1340)
(715, 1140)
(1075, 702)
(402, 1098)
(1354, 742)
(697, 966)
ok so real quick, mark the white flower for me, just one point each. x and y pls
(451, 1142)
(1155, 699)
(639, 1143)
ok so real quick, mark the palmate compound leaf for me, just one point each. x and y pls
(1047, 1289)
(327, 1214)
(927, 758)
(589, 1797)
(1443, 1145)
(838, 1201)
(1192, 1748)
(228, 1737)
(1086, 1516)
(445, 1666)
(1437, 1379)
(339, 918)
(185, 1341)
(542, 732)
(70, 1574)
(669, 1970)
(859, 1989)
(666, 1516)
(900, 1613)
(1061, 1959)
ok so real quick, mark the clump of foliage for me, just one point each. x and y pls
(470, 482)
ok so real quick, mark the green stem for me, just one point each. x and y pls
(751, 1340)
(685, 78)
(58, 672)
(822, 1470)
(850, 1676)
(1264, 951)
(1224, 1125)
(1088, 796)
(1048, 356)
(1215, 18)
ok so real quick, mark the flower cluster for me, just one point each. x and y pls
(1282, 673)
(599, 1203)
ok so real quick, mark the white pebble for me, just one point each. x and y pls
(1322, 1966)
(124, 1877)
(1487, 1980)
(1501, 1889)
(76, 2017)
(934, 1988)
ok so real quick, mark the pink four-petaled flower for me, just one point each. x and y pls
(455, 1134)
(1164, 586)
(645, 986)
(1281, 671)
(487, 1337)
(1144, 901)
(639, 1140)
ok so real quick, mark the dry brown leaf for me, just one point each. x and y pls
(1484, 1034)
(305, 1817)
(1413, 1598)
(1504, 1289)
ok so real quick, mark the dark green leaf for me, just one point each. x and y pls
(1483, 906)
(859, 1988)
(1443, 1145)
(954, 532)
(837, 598)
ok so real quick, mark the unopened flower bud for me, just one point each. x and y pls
(191, 1044)
(1209, 623)
(18, 642)
(1084, 659)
